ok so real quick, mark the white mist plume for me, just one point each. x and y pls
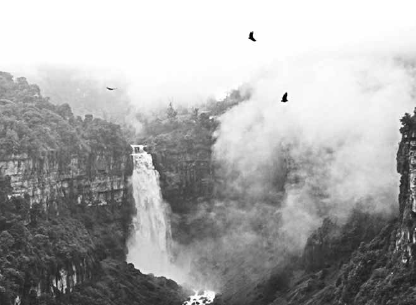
(336, 138)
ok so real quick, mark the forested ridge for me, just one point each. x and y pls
(30, 123)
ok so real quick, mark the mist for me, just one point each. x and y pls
(285, 167)
(339, 128)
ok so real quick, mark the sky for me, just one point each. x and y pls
(188, 50)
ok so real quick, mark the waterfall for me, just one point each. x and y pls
(149, 247)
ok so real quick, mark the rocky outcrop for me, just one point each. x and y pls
(406, 167)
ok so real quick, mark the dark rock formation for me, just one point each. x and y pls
(96, 178)
(186, 174)
(406, 166)
(180, 145)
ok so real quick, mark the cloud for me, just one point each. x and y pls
(286, 167)
(330, 147)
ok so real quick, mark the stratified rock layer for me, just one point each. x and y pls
(96, 178)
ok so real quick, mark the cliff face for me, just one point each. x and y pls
(93, 179)
(186, 174)
(55, 194)
(180, 145)
(182, 155)
(406, 166)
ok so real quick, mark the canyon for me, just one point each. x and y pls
(68, 210)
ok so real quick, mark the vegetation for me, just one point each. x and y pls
(121, 283)
(30, 124)
(36, 244)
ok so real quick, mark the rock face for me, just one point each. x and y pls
(182, 156)
(93, 179)
(185, 175)
(181, 150)
(406, 167)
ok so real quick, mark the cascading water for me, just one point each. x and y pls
(149, 247)
(200, 298)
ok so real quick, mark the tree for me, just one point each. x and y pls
(195, 114)
(406, 119)
(65, 111)
(171, 112)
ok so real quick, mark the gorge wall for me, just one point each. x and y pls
(181, 147)
(97, 178)
(50, 186)
(186, 173)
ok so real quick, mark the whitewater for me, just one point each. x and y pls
(150, 245)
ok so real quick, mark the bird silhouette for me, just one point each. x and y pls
(284, 98)
(251, 36)
(111, 88)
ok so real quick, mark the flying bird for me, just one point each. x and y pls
(284, 98)
(251, 36)
(111, 88)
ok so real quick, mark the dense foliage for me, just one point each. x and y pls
(29, 123)
(121, 283)
(36, 244)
